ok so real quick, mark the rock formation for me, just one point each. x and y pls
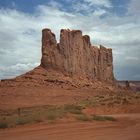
(75, 55)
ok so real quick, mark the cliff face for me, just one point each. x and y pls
(75, 55)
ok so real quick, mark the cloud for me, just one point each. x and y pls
(15, 70)
(136, 76)
(54, 4)
(134, 7)
(91, 7)
(19, 42)
(99, 12)
(20, 35)
(105, 3)
(131, 58)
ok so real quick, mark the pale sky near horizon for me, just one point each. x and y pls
(112, 23)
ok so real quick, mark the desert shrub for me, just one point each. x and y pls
(51, 115)
(24, 120)
(73, 109)
(83, 117)
(89, 103)
(103, 118)
(54, 112)
(3, 124)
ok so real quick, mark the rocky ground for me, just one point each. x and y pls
(53, 105)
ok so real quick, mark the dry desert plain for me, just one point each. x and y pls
(36, 106)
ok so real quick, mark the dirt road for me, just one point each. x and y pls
(127, 127)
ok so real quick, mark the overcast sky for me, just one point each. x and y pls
(112, 23)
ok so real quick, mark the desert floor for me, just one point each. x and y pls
(124, 107)
(127, 127)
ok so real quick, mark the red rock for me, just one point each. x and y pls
(76, 56)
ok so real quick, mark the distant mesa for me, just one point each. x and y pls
(75, 55)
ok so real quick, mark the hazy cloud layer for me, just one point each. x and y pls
(20, 33)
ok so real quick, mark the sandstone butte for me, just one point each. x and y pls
(75, 55)
(73, 62)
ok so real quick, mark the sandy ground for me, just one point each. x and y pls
(127, 127)
(38, 89)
